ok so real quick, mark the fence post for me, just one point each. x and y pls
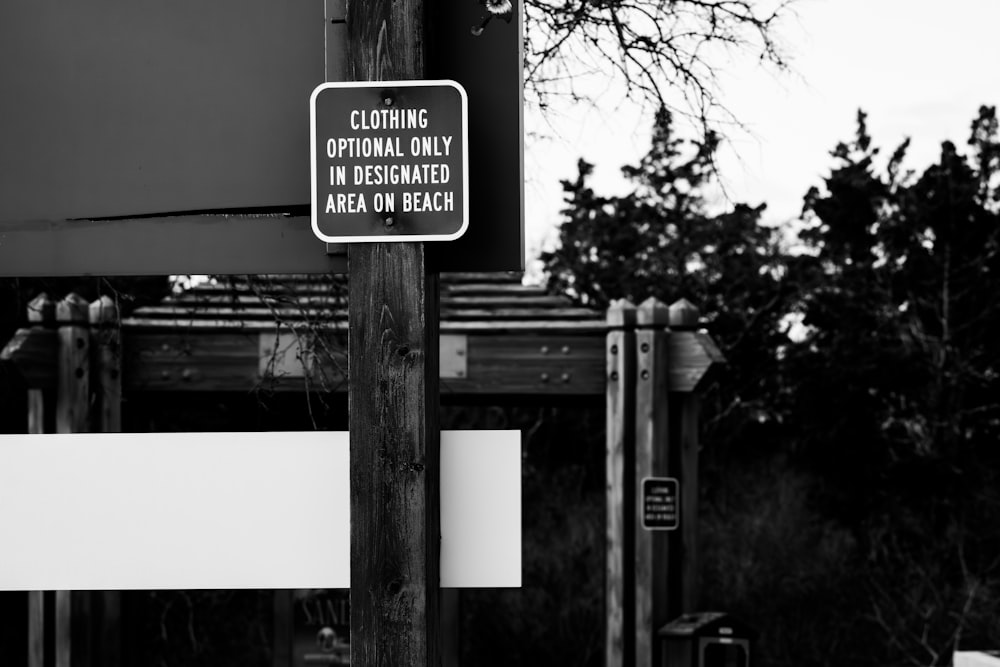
(106, 364)
(619, 649)
(653, 606)
(72, 608)
(684, 317)
(73, 377)
(106, 375)
(41, 313)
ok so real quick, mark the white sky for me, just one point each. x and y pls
(920, 68)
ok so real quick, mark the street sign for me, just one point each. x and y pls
(389, 161)
(660, 503)
(232, 510)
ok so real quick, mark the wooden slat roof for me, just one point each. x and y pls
(470, 302)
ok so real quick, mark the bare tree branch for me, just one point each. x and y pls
(665, 51)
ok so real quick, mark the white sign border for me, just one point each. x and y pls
(313, 157)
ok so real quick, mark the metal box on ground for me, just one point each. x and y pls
(706, 639)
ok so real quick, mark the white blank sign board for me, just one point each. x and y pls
(975, 659)
(231, 510)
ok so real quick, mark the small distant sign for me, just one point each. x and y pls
(321, 628)
(389, 161)
(660, 502)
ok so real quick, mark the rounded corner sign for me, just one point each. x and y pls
(389, 161)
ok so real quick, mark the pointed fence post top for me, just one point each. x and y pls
(41, 309)
(621, 314)
(653, 313)
(104, 311)
(684, 315)
(72, 308)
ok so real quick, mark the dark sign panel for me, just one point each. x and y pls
(660, 503)
(145, 109)
(121, 108)
(389, 161)
(487, 61)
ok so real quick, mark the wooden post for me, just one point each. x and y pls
(72, 609)
(106, 375)
(653, 606)
(41, 419)
(73, 378)
(41, 312)
(106, 362)
(619, 649)
(684, 316)
(393, 390)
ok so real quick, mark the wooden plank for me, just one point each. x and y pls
(186, 244)
(619, 649)
(486, 288)
(193, 326)
(511, 277)
(300, 283)
(219, 361)
(563, 365)
(651, 460)
(304, 312)
(270, 313)
(395, 440)
(496, 364)
(283, 298)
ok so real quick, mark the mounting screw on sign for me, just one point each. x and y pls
(660, 503)
(389, 161)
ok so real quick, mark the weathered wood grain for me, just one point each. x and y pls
(693, 354)
(393, 399)
(73, 379)
(619, 459)
(106, 364)
(395, 534)
(41, 311)
(237, 299)
(182, 327)
(106, 379)
(651, 460)
(497, 364)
